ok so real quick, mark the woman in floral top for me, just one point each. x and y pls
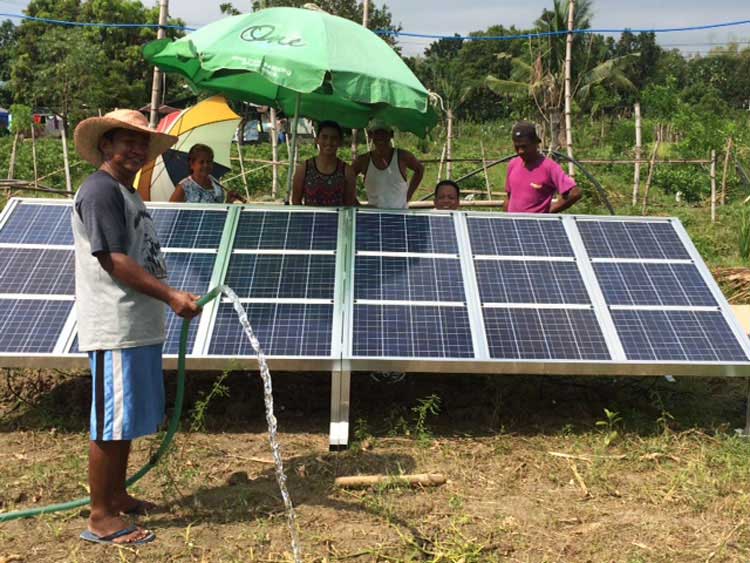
(200, 186)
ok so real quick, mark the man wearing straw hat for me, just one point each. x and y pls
(120, 287)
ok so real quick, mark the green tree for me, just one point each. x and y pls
(8, 41)
(99, 67)
(379, 17)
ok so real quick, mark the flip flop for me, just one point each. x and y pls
(141, 508)
(90, 536)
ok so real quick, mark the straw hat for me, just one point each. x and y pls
(90, 131)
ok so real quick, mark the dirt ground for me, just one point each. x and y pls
(536, 469)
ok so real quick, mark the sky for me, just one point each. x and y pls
(445, 17)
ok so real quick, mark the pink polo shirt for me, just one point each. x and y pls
(531, 190)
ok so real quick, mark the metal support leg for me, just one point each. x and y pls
(747, 410)
(340, 390)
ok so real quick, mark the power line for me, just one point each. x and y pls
(96, 24)
(388, 32)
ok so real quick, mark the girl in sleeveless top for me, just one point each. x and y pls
(200, 186)
(325, 180)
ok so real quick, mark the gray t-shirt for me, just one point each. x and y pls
(109, 217)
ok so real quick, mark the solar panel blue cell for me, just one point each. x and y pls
(173, 333)
(401, 278)
(31, 326)
(284, 230)
(282, 330)
(399, 232)
(190, 272)
(38, 224)
(188, 228)
(264, 276)
(631, 239)
(507, 236)
(411, 331)
(653, 284)
(677, 336)
(33, 271)
(544, 334)
(530, 281)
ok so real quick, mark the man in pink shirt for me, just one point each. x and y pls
(533, 179)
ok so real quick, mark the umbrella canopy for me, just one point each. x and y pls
(210, 122)
(340, 70)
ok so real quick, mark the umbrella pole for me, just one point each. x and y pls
(293, 152)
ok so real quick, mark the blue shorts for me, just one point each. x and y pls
(127, 399)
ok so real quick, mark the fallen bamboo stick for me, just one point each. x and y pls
(365, 481)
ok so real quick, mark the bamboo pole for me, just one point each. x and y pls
(66, 162)
(442, 163)
(486, 175)
(725, 175)
(713, 186)
(568, 90)
(364, 481)
(12, 164)
(449, 145)
(651, 167)
(156, 81)
(638, 147)
(274, 154)
(242, 162)
(33, 154)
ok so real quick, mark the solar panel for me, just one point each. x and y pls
(411, 331)
(292, 276)
(34, 271)
(283, 329)
(677, 335)
(530, 281)
(502, 290)
(284, 230)
(653, 284)
(401, 232)
(188, 272)
(188, 228)
(32, 223)
(631, 239)
(31, 326)
(506, 236)
(551, 334)
(408, 278)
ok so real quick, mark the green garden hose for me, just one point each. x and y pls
(171, 429)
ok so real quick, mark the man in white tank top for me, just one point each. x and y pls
(385, 169)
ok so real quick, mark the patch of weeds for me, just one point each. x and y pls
(361, 433)
(428, 406)
(396, 422)
(198, 414)
(610, 427)
(744, 236)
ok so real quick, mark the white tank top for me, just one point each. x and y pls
(387, 188)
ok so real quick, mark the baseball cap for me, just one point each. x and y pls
(525, 130)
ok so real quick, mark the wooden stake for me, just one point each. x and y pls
(156, 80)
(66, 162)
(638, 146)
(568, 91)
(725, 175)
(713, 186)
(364, 481)
(33, 154)
(274, 154)
(442, 162)
(651, 167)
(237, 136)
(449, 145)
(12, 165)
(486, 175)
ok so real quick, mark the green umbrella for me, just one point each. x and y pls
(325, 66)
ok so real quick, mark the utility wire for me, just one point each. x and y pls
(388, 32)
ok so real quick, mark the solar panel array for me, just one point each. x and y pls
(380, 288)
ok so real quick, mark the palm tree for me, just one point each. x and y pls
(542, 76)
